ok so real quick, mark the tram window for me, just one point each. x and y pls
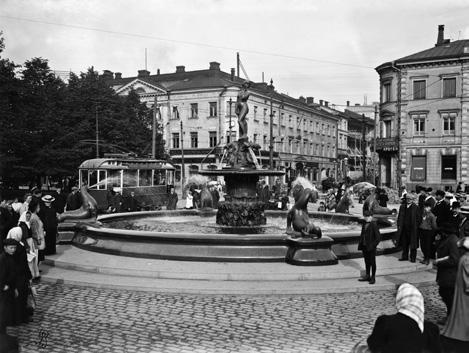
(130, 178)
(84, 177)
(177, 176)
(102, 179)
(114, 179)
(159, 178)
(93, 179)
(145, 177)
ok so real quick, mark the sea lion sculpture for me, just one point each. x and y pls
(298, 215)
(88, 209)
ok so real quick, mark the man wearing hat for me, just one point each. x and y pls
(48, 217)
(73, 200)
(407, 227)
(442, 210)
(7, 284)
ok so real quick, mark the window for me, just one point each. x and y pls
(212, 138)
(386, 92)
(254, 139)
(449, 87)
(255, 113)
(130, 178)
(419, 89)
(386, 129)
(175, 114)
(322, 129)
(194, 140)
(317, 128)
(265, 114)
(194, 110)
(232, 137)
(448, 167)
(419, 124)
(449, 122)
(264, 142)
(159, 177)
(175, 139)
(418, 169)
(145, 177)
(213, 108)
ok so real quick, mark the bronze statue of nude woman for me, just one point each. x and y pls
(242, 110)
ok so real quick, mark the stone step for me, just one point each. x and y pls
(187, 286)
(69, 257)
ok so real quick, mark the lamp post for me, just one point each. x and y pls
(153, 140)
(271, 145)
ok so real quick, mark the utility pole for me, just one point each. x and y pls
(375, 155)
(271, 145)
(153, 143)
(182, 160)
(230, 102)
(97, 131)
(237, 64)
(364, 146)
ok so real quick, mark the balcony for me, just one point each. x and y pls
(387, 144)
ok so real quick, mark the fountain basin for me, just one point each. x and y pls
(225, 244)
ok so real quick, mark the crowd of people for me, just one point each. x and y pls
(28, 233)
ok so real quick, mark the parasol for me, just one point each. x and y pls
(359, 188)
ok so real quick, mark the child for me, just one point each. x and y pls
(322, 207)
(369, 240)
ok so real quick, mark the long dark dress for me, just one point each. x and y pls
(457, 325)
(172, 201)
(23, 275)
(49, 219)
(7, 277)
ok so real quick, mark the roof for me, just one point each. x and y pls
(212, 78)
(450, 50)
(125, 163)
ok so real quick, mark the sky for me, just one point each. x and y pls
(322, 49)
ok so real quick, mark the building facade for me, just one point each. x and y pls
(196, 115)
(424, 116)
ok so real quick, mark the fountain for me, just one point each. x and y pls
(238, 231)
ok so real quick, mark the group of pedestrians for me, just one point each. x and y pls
(28, 233)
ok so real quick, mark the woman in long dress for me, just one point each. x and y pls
(457, 325)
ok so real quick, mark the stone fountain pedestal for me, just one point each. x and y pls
(241, 207)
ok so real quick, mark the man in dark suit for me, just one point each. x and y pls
(442, 210)
(407, 228)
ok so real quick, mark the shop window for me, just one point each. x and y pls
(418, 168)
(448, 167)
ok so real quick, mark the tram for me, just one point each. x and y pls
(150, 179)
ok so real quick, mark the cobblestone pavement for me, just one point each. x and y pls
(80, 319)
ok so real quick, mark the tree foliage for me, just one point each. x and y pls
(48, 127)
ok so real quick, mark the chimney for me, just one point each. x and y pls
(143, 73)
(320, 102)
(309, 100)
(108, 75)
(302, 99)
(232, 73)
(118, 75)
(348, 103)
(441, 35)
(214, 66)
(326, 103)
(357, 104)
(180, 69)
(157, 71)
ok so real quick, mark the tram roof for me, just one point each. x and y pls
(125, 163)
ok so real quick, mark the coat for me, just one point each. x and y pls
(411, 228)
(369, 236)
(443, 213)
(447, 269)
(399, 333)
(463, 228)
(7, 277)
(457, 325)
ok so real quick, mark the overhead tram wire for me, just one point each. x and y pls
(185, 42)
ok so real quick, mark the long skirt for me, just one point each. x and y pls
(33, 258)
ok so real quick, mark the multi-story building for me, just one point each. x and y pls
(197, 110)
(424, 114)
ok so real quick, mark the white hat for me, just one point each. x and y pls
(48, 198)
